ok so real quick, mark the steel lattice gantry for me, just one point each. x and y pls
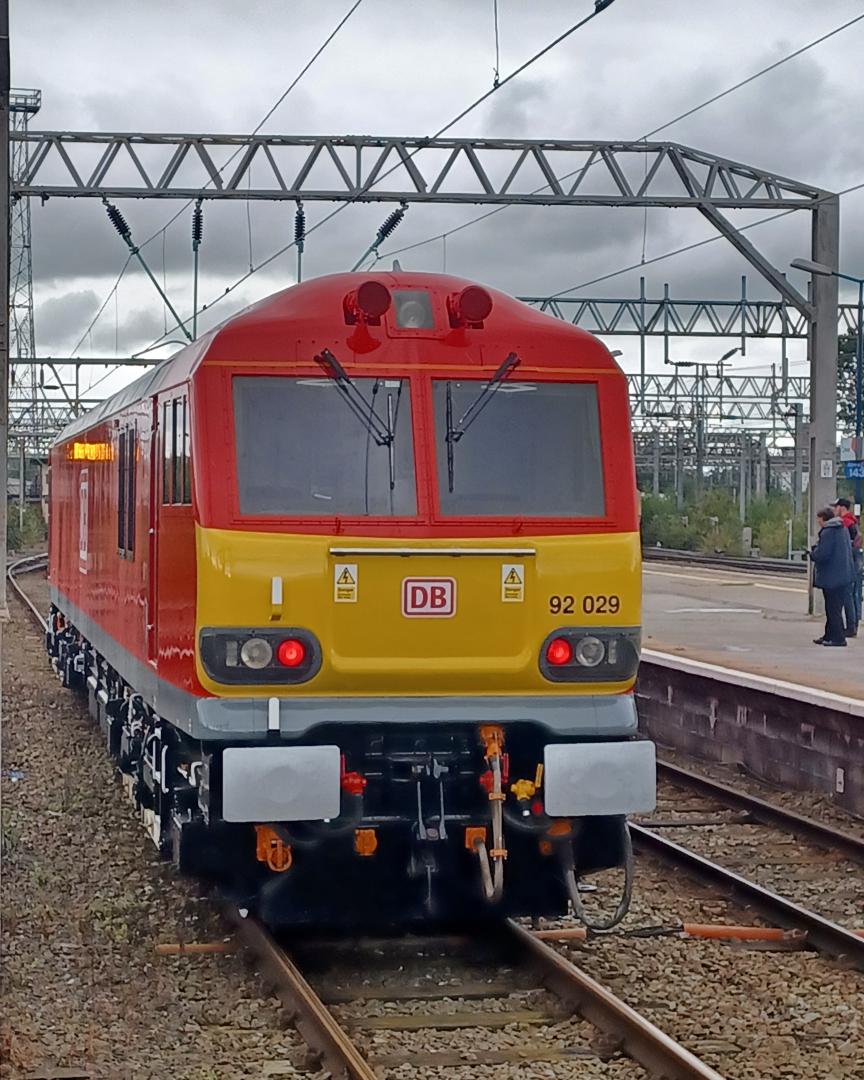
(333, 168)
(526, 172)
(639, 316)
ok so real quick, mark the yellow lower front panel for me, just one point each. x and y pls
(436, 617)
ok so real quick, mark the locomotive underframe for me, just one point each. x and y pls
(422, 794)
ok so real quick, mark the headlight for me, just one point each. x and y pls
(256, 653)
(589, 651)
(258, 656)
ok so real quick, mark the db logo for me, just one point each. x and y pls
(429, 596)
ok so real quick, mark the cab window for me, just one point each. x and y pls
(303, 450)
(531, 450)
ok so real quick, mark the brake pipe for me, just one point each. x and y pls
(493, 877)
(572, 884)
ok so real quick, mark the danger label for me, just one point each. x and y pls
(513, 583)
(345, 579)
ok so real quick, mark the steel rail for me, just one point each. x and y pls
(655, 1051)
(25, 566)
(322, 1033)
(726, 562)
(822, 933)
(646, 1044)
(766, 813)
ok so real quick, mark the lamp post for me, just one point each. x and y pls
(825, 271)
(720, 365)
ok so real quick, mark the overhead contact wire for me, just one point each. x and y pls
(441, 131)
(261, 124)
(648, 134)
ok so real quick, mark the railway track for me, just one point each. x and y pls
(823, 933)
(617, 1028)
(508, 981)
(726, 562)
(27, 565)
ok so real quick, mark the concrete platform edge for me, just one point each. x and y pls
(805, 695)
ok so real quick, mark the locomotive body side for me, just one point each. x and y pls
(344, 604)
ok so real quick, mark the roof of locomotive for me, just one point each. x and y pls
(315, 307)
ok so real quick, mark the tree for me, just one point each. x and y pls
(846, 383)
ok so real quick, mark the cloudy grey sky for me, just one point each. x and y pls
(406, 67)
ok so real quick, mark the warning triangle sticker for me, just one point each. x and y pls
(513, 578)
(345, 578)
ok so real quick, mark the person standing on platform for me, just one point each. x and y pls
(852, 603)
(832, 559)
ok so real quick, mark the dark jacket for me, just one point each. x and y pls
(852, 524)
(832, 556)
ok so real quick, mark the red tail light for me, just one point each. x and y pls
(291, 652)
(559, 651)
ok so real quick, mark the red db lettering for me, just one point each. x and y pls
(429, 597)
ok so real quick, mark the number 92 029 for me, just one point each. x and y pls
(590, 604)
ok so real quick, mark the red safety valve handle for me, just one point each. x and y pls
(353, 783)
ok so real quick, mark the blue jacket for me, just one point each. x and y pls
(832, 556)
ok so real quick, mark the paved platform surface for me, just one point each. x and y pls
(746, 621)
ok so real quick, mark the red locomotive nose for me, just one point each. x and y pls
(291, 652)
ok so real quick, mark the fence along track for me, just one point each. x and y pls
(649, 1047)
(726, 562)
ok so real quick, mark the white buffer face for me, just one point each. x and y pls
(598, 779)
(280, 783)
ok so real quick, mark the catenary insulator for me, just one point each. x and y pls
(118, 221)
(391, 222)
(197, 226)
(299, 225)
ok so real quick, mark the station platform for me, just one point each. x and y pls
(747, 622)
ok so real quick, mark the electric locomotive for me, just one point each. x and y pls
(352, 584)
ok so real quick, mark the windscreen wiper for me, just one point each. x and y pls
(383, 432)
(457, 430)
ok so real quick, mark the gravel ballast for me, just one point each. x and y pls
(85, 899)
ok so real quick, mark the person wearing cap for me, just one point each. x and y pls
(832, 560)
(852, 600)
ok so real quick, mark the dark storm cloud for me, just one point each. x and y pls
(59, 317)
(407, 68)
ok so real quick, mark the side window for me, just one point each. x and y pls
(167, 451)
(121, 493)
(176, 453)
(176, 461)
(187, 455)
(126, 454)
(131, 461)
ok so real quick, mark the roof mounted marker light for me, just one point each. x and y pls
(366, 304)
(469, 307)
